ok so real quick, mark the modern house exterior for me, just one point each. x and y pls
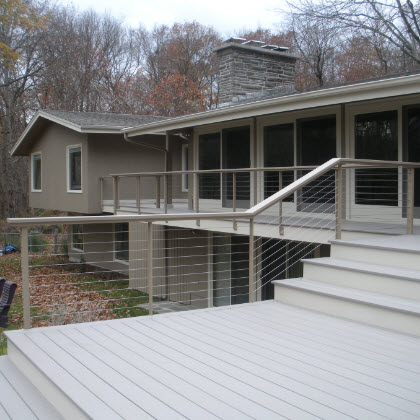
(309, 197)
(92, 164)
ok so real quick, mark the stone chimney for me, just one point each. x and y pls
(247, 67)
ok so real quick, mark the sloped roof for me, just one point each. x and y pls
(103, 119)
(82, 122)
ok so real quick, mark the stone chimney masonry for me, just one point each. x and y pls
(247, 67)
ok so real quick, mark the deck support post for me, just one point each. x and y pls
(235, 223)
(197, 196)
(165, 193)
(410, 201)
(158, 192)
(281, 227)
(25, 278)
(101, 186)
(251, 261)
(150, 265)
(116, 193)
(138, 194)
(338, 201)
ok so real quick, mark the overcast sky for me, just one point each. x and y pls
(227, 16)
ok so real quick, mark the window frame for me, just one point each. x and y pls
(127, 261)
(68, 167)
(185, 166)
(35, 190)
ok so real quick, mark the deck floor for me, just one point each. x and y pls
(264, 360)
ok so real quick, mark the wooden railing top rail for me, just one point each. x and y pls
(248, 214)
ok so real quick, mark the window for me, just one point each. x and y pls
(121, 242)
(185, 167)
(376, 137)
(36, 172)
(209, 158)
(77, 237)
(278, 151)
(74, 169)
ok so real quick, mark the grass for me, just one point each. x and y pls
(64, 292)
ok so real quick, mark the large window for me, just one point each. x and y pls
(376, 137)
(121, 241)
(36, 172)
(209, 158)
(77, 237)
(316, 145)
(74, 168)
(278, 151)
(185, 157)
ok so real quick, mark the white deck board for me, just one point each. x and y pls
(265, 360)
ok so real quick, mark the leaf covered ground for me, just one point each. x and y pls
(63, 292)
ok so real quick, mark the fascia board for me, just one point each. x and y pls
(335, 95)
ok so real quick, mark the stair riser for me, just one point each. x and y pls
(46, 387)
(331, 305)
(364, 281)
(393, 258)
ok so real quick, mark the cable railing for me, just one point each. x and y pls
(125, 265)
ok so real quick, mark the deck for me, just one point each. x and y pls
(263, 360)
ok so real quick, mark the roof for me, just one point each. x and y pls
(284, 99)
(261, 360)
(82, 122)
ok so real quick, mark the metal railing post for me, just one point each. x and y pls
(235, 224)
(158, 192)
(25, 278)
(165, 193)
(251, 261)
(116, 193)
(101, 186)
(281, 227)
(338, 201)
(138, 191)
(410, 201)
(150, 265)
(197, 196)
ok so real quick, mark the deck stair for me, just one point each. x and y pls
(372, 281)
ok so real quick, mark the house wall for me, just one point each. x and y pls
(111, 154)
(98, 248)
(53, 145)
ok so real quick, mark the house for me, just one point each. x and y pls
(94, 164)
(310, 197)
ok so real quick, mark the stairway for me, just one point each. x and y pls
(374, 281)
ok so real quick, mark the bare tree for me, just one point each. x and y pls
(397, 22)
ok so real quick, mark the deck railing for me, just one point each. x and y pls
(163, 255)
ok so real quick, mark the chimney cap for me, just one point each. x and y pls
(253, 43)
(236, 40)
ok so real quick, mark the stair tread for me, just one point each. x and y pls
(20, 398)
(401, 243)
(360, 266)
(377, 299)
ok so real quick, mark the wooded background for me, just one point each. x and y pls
(56, 57)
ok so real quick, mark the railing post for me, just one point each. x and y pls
(138, 191)
(25, 278)
(251, 260)
(410, 201)
(235, 224)
(197, 195)
(101, 186)
(158, 192)
(116, 194)
(165, 193)
(338, 201)
(150, 265)
(281, 227)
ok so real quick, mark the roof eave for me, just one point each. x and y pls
(401, 85)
